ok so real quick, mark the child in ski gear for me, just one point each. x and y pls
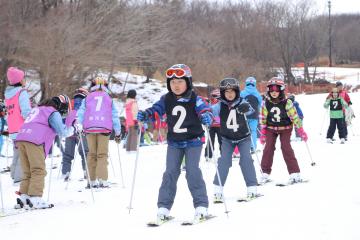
(72, 141)
(2, 124)
(251, 94)
(344, 95)
(185, 113)
(34, 140)
(18, 107)
(159, 128)
(215, 126)
(131, 110)
(277, 117)
(336, 104)
(98, 116)
(235, 132)
(299, 112)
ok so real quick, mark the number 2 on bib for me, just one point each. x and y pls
(177, 126)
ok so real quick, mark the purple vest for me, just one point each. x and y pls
(36, 128)
(98, 113)
(70, 118)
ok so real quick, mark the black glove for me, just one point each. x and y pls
(5, 133)
(117, 139)
(243, 107)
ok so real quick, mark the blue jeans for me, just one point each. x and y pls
(69, 152)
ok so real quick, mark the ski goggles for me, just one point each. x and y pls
(274, 88)
(229, 83)
(175, 72)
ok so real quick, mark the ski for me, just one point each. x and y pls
(12, 212)
(248, 199)
(159, 223)
(30, 204)
(262, 183)
(97, 188)
(197, 221)
(291, 183)
(5, 170)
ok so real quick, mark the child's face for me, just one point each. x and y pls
(274, 94)
(230, 94)
(274, 91)
(178, 86)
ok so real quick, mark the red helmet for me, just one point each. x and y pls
(277, 82)
(81, 92)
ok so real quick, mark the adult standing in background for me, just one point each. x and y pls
(252, 96)
(131, 111)
(17, 102)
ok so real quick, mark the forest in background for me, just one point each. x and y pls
(68, 41)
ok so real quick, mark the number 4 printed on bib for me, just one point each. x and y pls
(231, 122)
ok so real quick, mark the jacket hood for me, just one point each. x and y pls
(11, 91)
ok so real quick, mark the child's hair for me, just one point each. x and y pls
(131, 94)
(48, 102)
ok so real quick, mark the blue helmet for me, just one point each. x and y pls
(250, 81)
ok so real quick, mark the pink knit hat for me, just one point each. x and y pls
(15, 75)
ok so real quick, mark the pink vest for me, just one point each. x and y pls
(129, 114)
(15, 120)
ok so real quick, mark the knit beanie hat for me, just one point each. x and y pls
(15, 75)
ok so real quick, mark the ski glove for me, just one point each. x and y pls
(302, 134)
(206, 118)
(263, 136)
(243, 107)
(117, 139)
(142, 116)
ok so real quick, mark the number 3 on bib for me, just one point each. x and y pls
(231, 122)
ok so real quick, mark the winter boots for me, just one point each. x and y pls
(35, 202)
(294, 178)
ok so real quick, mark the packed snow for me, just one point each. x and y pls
(327, 207)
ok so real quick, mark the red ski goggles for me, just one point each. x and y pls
(175, 72)
(274, 88)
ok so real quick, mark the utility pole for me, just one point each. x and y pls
(330, 58)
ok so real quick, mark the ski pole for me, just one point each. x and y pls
(217, 173)
(135, 168)
(52, 161)
(312, 162)
(253, 144)
(87, 167)
(121, 172)
(2, 197)
(7, 151)
(112, 165)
